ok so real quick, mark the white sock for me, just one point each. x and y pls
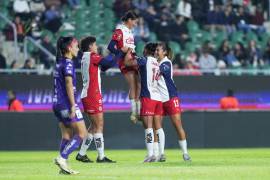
(149, 139)
(99, 141)
(85, 144)
(133, 106)
(161, 140)
(138, 107)
(156, 151)
(183, 146)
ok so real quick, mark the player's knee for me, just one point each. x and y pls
(82, 134)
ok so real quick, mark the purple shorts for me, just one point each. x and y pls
(63, 115)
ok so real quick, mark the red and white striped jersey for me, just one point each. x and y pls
(91, 75)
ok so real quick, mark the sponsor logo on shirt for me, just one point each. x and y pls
(130, 40)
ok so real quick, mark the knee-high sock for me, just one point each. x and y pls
(183, 146)
(138, 107)
(156, 151)
(85, 144)
(99, 141)
(63, 143)
(149, 141)
(133, 106)
(161, 140)
(72, 145)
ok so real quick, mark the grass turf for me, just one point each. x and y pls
(206, 164)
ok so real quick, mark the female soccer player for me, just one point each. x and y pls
(169, 95)
(92, 98)
(64, 106)
(151, 110)
(122, 40)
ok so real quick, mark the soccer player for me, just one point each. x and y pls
(92, 98)
(122, 40)
(169, 95)
(64, 106)
(151, 110)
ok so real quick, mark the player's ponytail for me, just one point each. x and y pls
(62, 46)
(167, 49)
(129, 15)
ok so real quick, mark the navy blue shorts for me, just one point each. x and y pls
(63, 115)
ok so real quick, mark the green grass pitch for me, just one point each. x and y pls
(206, 164)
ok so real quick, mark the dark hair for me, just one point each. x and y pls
(86, 42)
(62, 46)
(230, 93)
(167, 48)
(150, 49)
(129, 15)
(13, 64)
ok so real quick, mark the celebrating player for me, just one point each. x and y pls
(64, 105)
(122, 40)
(169, 95)
(151, 109)
(92, 98)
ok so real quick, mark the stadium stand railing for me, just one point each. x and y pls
(4, 18)
(38, 45)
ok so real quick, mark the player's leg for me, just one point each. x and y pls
(66, 133)
(149, 138)
(81, 156)
(138, 91)
(130, 77)
(155, 145)
(80, 132)
(161, 137)
(177, 123)
(98, 120)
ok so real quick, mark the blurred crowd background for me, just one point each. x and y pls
(204, 34)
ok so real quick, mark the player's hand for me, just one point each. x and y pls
(72, 112)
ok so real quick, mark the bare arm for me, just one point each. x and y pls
(70, 93)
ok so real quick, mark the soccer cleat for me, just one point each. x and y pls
(105, 160)
(186, 158)
(133, 118)
(149, 159)
(162, 158)
(72, 172)
(62, 164)
(84, 158)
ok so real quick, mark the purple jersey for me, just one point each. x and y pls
(64, 67)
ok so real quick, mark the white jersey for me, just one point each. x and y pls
(127, 36)
(166, 84)
(149, 71)
(91, 74)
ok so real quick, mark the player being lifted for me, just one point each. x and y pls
(151, 105)
(122, 40)
(169, 95)
(92, 98)
(64, 106)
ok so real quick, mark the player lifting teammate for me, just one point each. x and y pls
(151, 109)
(92, 98)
